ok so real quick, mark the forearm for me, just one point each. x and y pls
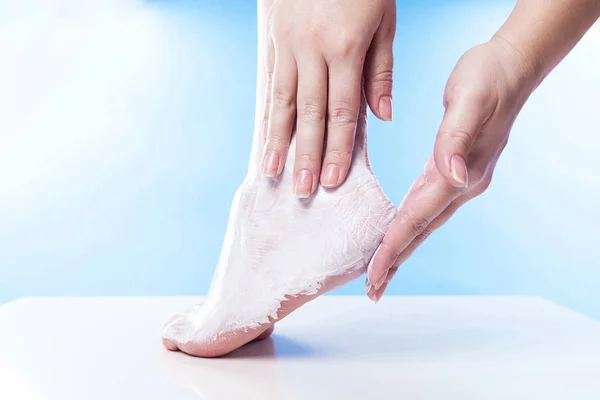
(543, 32)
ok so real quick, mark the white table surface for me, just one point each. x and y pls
(333, 348)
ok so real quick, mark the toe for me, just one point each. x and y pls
(170, 345)
(178, 329)
(225, 343)
(178, 334)
(266, 333)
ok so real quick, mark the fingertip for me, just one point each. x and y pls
(375, 298)
(377, 266)
(330, 176)
(304, 183)
(378, 294)
(458, 169)
(385, 108)
(271, 164)
(370, 290)
(382, 279)
(452, 167)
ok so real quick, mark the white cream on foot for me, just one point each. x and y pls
(279, 246)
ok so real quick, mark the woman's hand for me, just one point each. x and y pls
(319, 51)
(483, 96)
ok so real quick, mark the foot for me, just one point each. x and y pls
(281, 251)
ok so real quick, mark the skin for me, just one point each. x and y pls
(318, 54)
(224, 344)
(227, 342)
(483, 96)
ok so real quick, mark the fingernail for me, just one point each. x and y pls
(376, 297)
(381, 280)
(459, 170)
(370, 266)
(331, 175)
(385, 108)
(270, 164)
(304, 181)
(367, 285)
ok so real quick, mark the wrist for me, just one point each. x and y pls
(522, 65)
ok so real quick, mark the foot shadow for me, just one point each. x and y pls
(275, 346)
(251, 372)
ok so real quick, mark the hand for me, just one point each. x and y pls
(483, 96)
(319, 51)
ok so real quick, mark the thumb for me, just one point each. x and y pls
(459, 129)
(379, 64)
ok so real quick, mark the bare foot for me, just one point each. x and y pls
(281, 251)
(171, 345)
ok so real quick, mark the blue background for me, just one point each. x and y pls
(126, 126)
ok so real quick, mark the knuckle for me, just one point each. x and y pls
(276, 141)
(342, 115)
(307, 160)
(282, 98)
(343, 48)
(417, 225)
(477, 94)
(312, 112)
(482, 186)
(414, 223)
(481, 96)
(485, 184)
(476, 178)
(381, 79)
(347, 43)
(462, 137)
(342, 43)
(339, 157)
(393, 250)
(423, 235)
(316, 33)
(451, 94)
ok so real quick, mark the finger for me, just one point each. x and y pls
(270, 64)
(282, 113)
(375, 294)
(386, 276)
(464, 117)
(379, 293)
(419, 208)
(440, 220)
(376, 291)
(344, 95)
(310, 123)
(379, 65)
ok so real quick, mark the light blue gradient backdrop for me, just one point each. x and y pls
(126, 126)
